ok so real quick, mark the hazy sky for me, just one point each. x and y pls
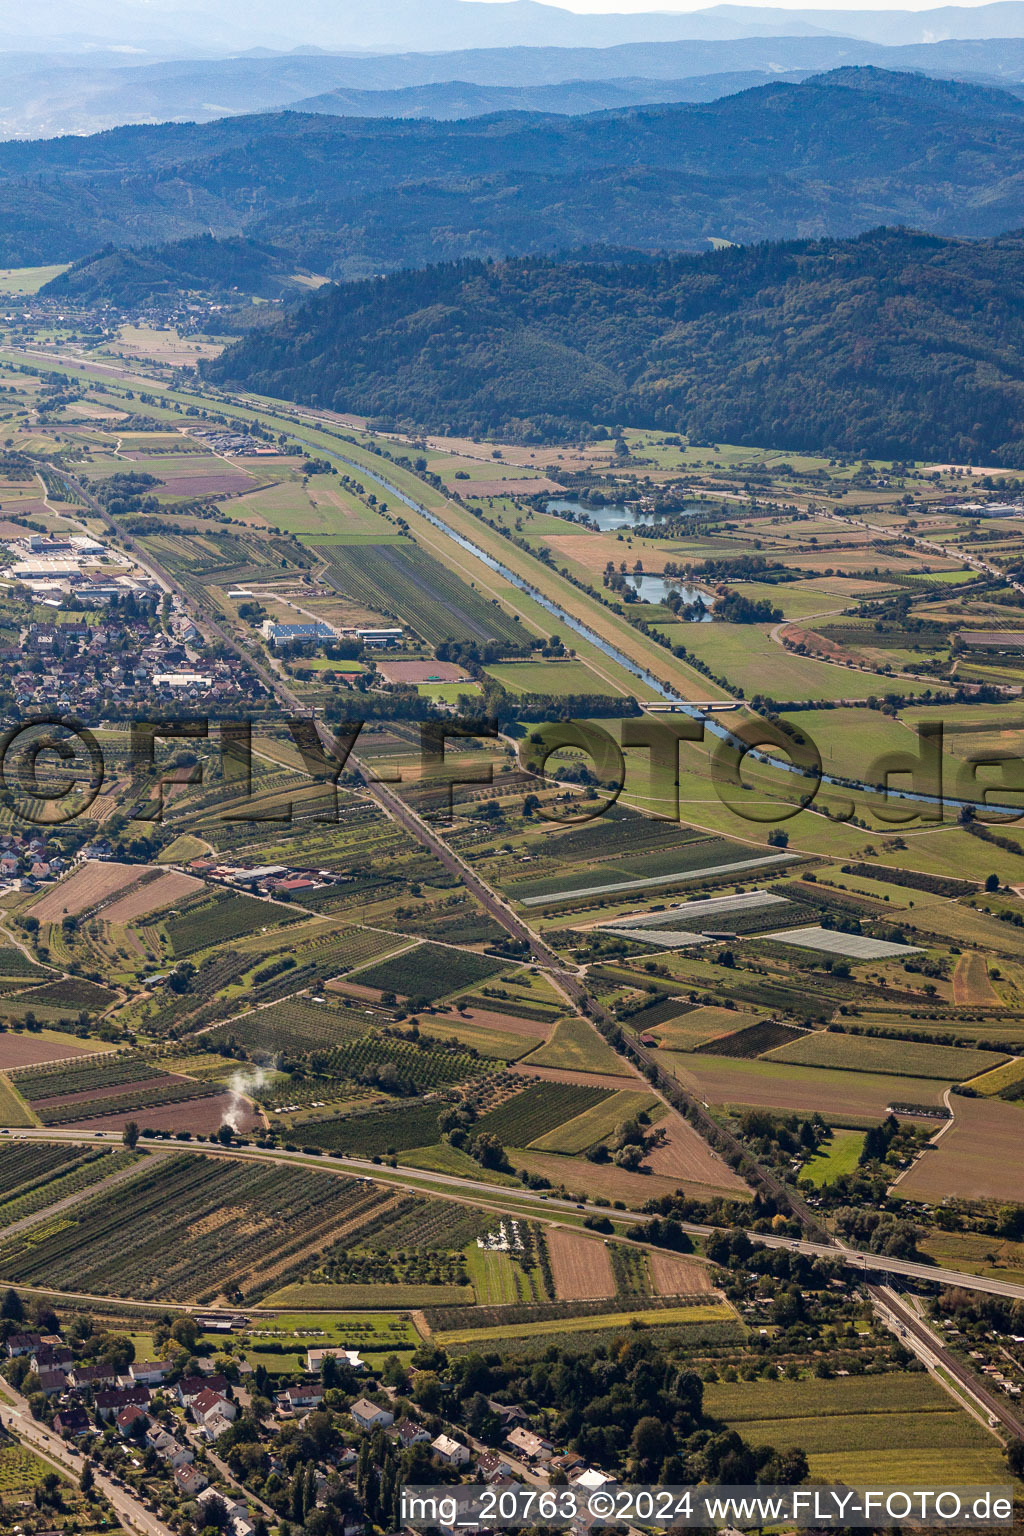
(700, 5)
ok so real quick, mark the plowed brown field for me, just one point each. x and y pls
(675, 1276)
(581, 1267)
(171, 886)
(684, 1154)
(91, 882)
(971, 985)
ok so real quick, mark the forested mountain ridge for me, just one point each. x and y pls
(215, 268)
(351, 196)
(891, 344)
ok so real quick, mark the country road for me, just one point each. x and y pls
(817, 1243)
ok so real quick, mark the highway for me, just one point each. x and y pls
(494, 1196)
(818, 1244)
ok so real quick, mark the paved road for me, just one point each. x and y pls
(392, 803)
(15, 1416)
(477, 1192)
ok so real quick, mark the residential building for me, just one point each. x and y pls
(72, 1421)
(367, 1415)
(190, 1387)
(128, 1418)
(190, 1481)
(149, 1373)
(301, 1399)
(533, 1447)
(492, 1466)
(450, 1451)
(407, 1432)
(351, 1357)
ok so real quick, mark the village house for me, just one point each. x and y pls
(23, 1344)
(71, 1422)
(169, 1449)
(149, 1373)
(450, 1451)
(190, 1481)
(367, 1415)
(493, 1467)
(407, 1433)
(569, 1463)
(210, 1405)
(92, 1376)
(190, 1387)
(52, 1383)
(300, 1399)
(315, 1359)
(533, 1447)
(129, 1418)
(110, 1404)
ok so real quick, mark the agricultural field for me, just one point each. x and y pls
(429, 971)
(295, 1024)
(581, 1266)
(400, 578)
(200, 1228)
(106, 1091)
(537, 1111)
(594, 1124)
(224, 918)
(898, 1058)
(29, 1050)
(580, 1328)
(976, 1159)
(14, 1112)
(498, 1279)
(680, 1152)
(971, 984)
(89, 887)
(150, 895)
(837, 1094)
(63, 1180)
(675, 1276)
(693, 1029)
(487, 1041)
(892, 1428)
(991, 1083)
(839, 1155)
(762, 1039)
(576, 1046)
(396, 1129)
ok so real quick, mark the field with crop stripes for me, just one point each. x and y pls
(87, 1076)
(430, 971)
(227, 918)
(403, 579)
(539, 1110)
(195, 1227)
(25, 1164)
(297, 1024)
(84, 1169)
(399, 1129)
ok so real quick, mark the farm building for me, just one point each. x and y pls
(286, 634)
